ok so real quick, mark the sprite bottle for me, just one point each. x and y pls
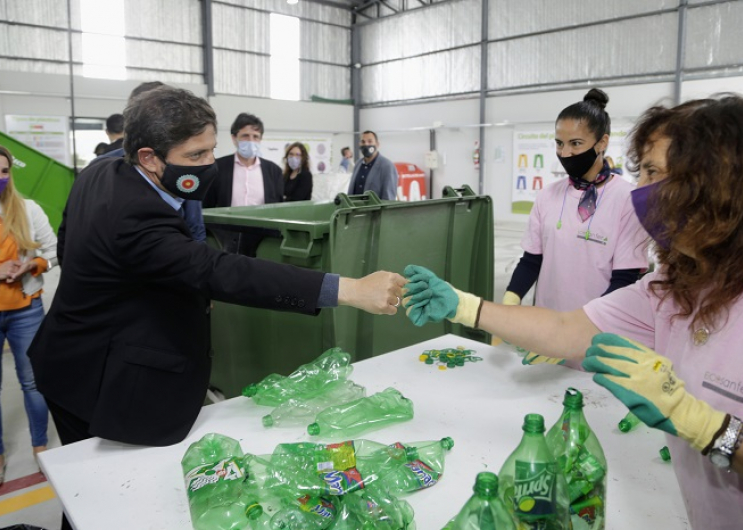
(213, 472)
(581, 460)
(355, 417)
(307, 381)
(418, 466)
(531, 486)
(484, 510)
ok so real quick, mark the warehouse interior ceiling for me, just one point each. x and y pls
(374, 9)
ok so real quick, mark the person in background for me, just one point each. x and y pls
(680, 369)
(28, 248)
(583, 239)
(191, 209)
(614, 169)
(246, 179)
(100, 149)
(347, 164)
(374, 172)
(115, 131)
(297, 174)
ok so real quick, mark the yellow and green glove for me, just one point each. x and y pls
(511, 298)
(645, 382)
(428, 298)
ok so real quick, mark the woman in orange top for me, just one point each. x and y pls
(28, 248)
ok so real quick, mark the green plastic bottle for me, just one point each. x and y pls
(300, 411)
(629, 422)
(365, 414)
(531, 486)
(581, 459)
(374, 509)
(484, 510)
(421, 467)
(214, 477)
(305, 382)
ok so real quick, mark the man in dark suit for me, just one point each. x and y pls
(374, 172)
(124, 351)
(115, 132)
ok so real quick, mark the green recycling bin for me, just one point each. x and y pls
(40, 178)
(353, 237)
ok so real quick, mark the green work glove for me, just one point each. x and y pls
(646, 383)
(428, 298)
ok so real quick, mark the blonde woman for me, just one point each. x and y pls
(28, 248)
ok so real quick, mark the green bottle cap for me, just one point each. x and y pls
(533, 423)
(625, 425)
(250, 390)
(665, 454)
(429, 360)
(486, 484)
(313, 429)
(267, 420)
(573, 398)
(254, 510)
(447, 443)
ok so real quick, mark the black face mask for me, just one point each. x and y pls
(578, 165)
(368, 150)
(189, 182)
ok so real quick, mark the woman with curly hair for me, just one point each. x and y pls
(680, 370)
(297, 175)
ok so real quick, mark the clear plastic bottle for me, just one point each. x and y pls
(484, 510)
(581, 460)
(213, 472)
(300, 411)
(374, 509)
(531, 486)
(365, 414)
(305, 382)
(421, 468)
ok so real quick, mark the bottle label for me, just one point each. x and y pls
(424, 475)
(534, 490)
(209, 474)
(588, 467)
(318, 506)
(342, 482)
(339, 457)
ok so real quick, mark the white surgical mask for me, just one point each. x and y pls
(248, 149)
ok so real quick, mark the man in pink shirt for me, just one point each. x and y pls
(681, 369)
(245, 179)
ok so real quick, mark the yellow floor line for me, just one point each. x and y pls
(25, 500)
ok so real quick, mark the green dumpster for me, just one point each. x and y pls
(40, 178)
(453, 236)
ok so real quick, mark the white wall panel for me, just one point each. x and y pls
(237, 28)
(319, 12)
(241, 74)
(325, 43)
(143, 54)
(173, 20)
(714, 35)
(326, 81)
(593, 52)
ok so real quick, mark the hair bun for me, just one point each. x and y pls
(597, 96)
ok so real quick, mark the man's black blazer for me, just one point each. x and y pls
(125, 345)
(220, 193)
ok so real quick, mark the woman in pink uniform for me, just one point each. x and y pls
(680, 370)
(583, 239)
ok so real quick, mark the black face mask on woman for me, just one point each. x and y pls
(189, 182)
(578, 165)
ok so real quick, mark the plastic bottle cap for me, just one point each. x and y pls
(250, 390)
(423, 357)
(573, 398)
(267, 420)
(665, 454)
(625, 426)
(313, 429)
(429, 360)
(533, 423)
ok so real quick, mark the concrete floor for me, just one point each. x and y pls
(36, 504)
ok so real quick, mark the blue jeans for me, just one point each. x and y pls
(19, 327)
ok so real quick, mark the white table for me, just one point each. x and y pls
(104, 484)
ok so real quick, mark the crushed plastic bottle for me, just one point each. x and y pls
(306, 382)
(297, 411)
(365, 414)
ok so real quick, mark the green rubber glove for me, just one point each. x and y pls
(534, 358)
(645, 382)
(428, 298)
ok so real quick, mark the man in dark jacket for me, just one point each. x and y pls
(124, 351)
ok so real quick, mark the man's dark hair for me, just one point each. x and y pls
(144, 87)
(243, 120)
(343, 151)
(115, 123)
(372, 133)
(164, 118)
(100, 148)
